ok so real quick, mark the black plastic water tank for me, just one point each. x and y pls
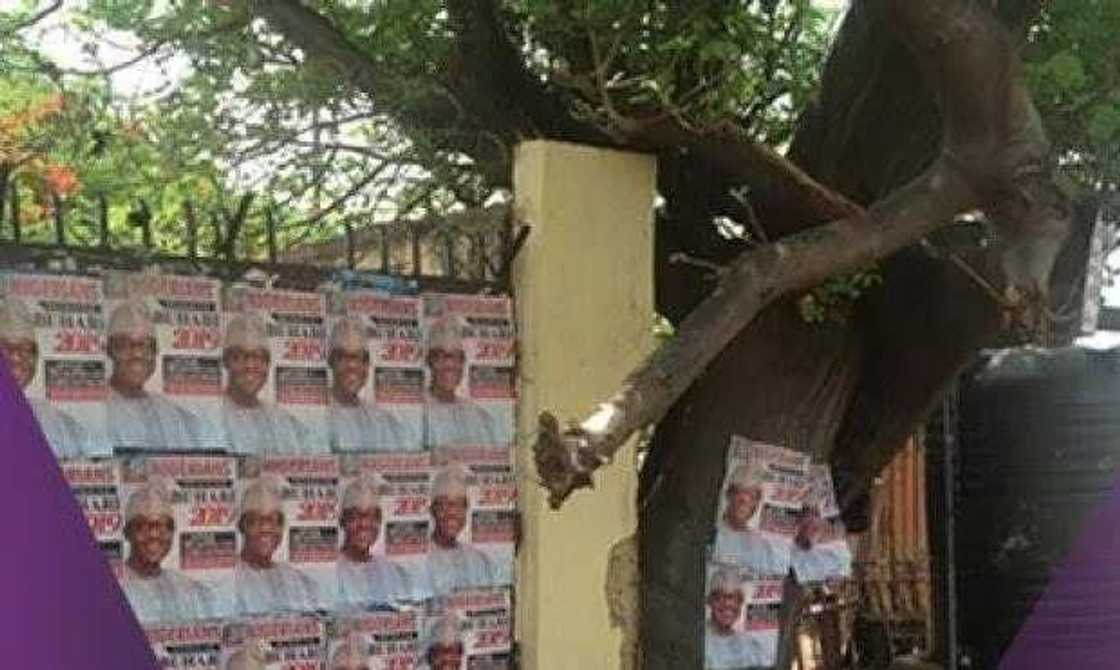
(1039, 444)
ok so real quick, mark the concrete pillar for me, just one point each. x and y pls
(584, 295)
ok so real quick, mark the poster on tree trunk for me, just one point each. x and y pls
(820, 549)
(377, 376)
(164, 343)
(759, 508)
(729, 641)
(276, 378)
(51, 332)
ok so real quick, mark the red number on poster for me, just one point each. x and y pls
(497, 495)
(409, 506)
(211, 515)
(195, 338)
(70, 341)
(400, 351)
(494, 351)
(316, 510)
(304, 350)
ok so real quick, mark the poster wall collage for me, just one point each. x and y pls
(282, 479)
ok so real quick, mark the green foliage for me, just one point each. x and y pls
(832, 301)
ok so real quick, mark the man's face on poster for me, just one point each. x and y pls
(447, 369)
(450, 516)
(350, 368)
(134, 359)
(811, 529)
(446, 656)
(725, 607)
(362, 526)
(248, 368)
(150, 538)
(742, 503)
(22, 356)
(262, 532)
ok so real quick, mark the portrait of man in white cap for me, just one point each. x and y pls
(450, 564)
(250, 657)
(262, 584)
(725, 647)
(451, 420)
(354, 424)
(158, 594)
(139, 418)
(446, 650)
(20, 349)
(736, 541)
(350, 655)
(363, 578)
(252, 424)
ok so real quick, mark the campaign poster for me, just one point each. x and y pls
(97, 487)
(376, 354)
(164, 343)
(820, 550)
(288, 528)
(473, 627)
(469, 372)
(762, 617)
(474, 522)
(276, 377)
(384, 527)
(187, 646)
(180, 536)
(287, 642)
(386, 640)
(759, 507)
(51, 330)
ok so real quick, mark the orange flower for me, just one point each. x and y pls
(61, 179)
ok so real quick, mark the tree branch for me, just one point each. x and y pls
(565, 458)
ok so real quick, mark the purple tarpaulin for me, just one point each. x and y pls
(1076, 622)
(62, 607)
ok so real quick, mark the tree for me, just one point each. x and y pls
(920, 141)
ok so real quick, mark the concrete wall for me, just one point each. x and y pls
(584, 295)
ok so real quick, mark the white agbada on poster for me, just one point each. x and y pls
(469, 358)
(164, 342)
(375, 355)
(275, 370)
(180, 538)
(51, 338)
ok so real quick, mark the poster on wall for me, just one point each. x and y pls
(741, 619)
(288, 528)
(470, 629)
(275, 643)
(759, 507)
(96, 486)
(473, 522)
(51, 329)
(193, 646)
(375, 356)
(180, 537)
(470, 388)
(164, 343)
(276, 379)
(820, 548)
(384, 524)
(375, 641)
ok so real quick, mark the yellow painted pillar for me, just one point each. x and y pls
(584, 295)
